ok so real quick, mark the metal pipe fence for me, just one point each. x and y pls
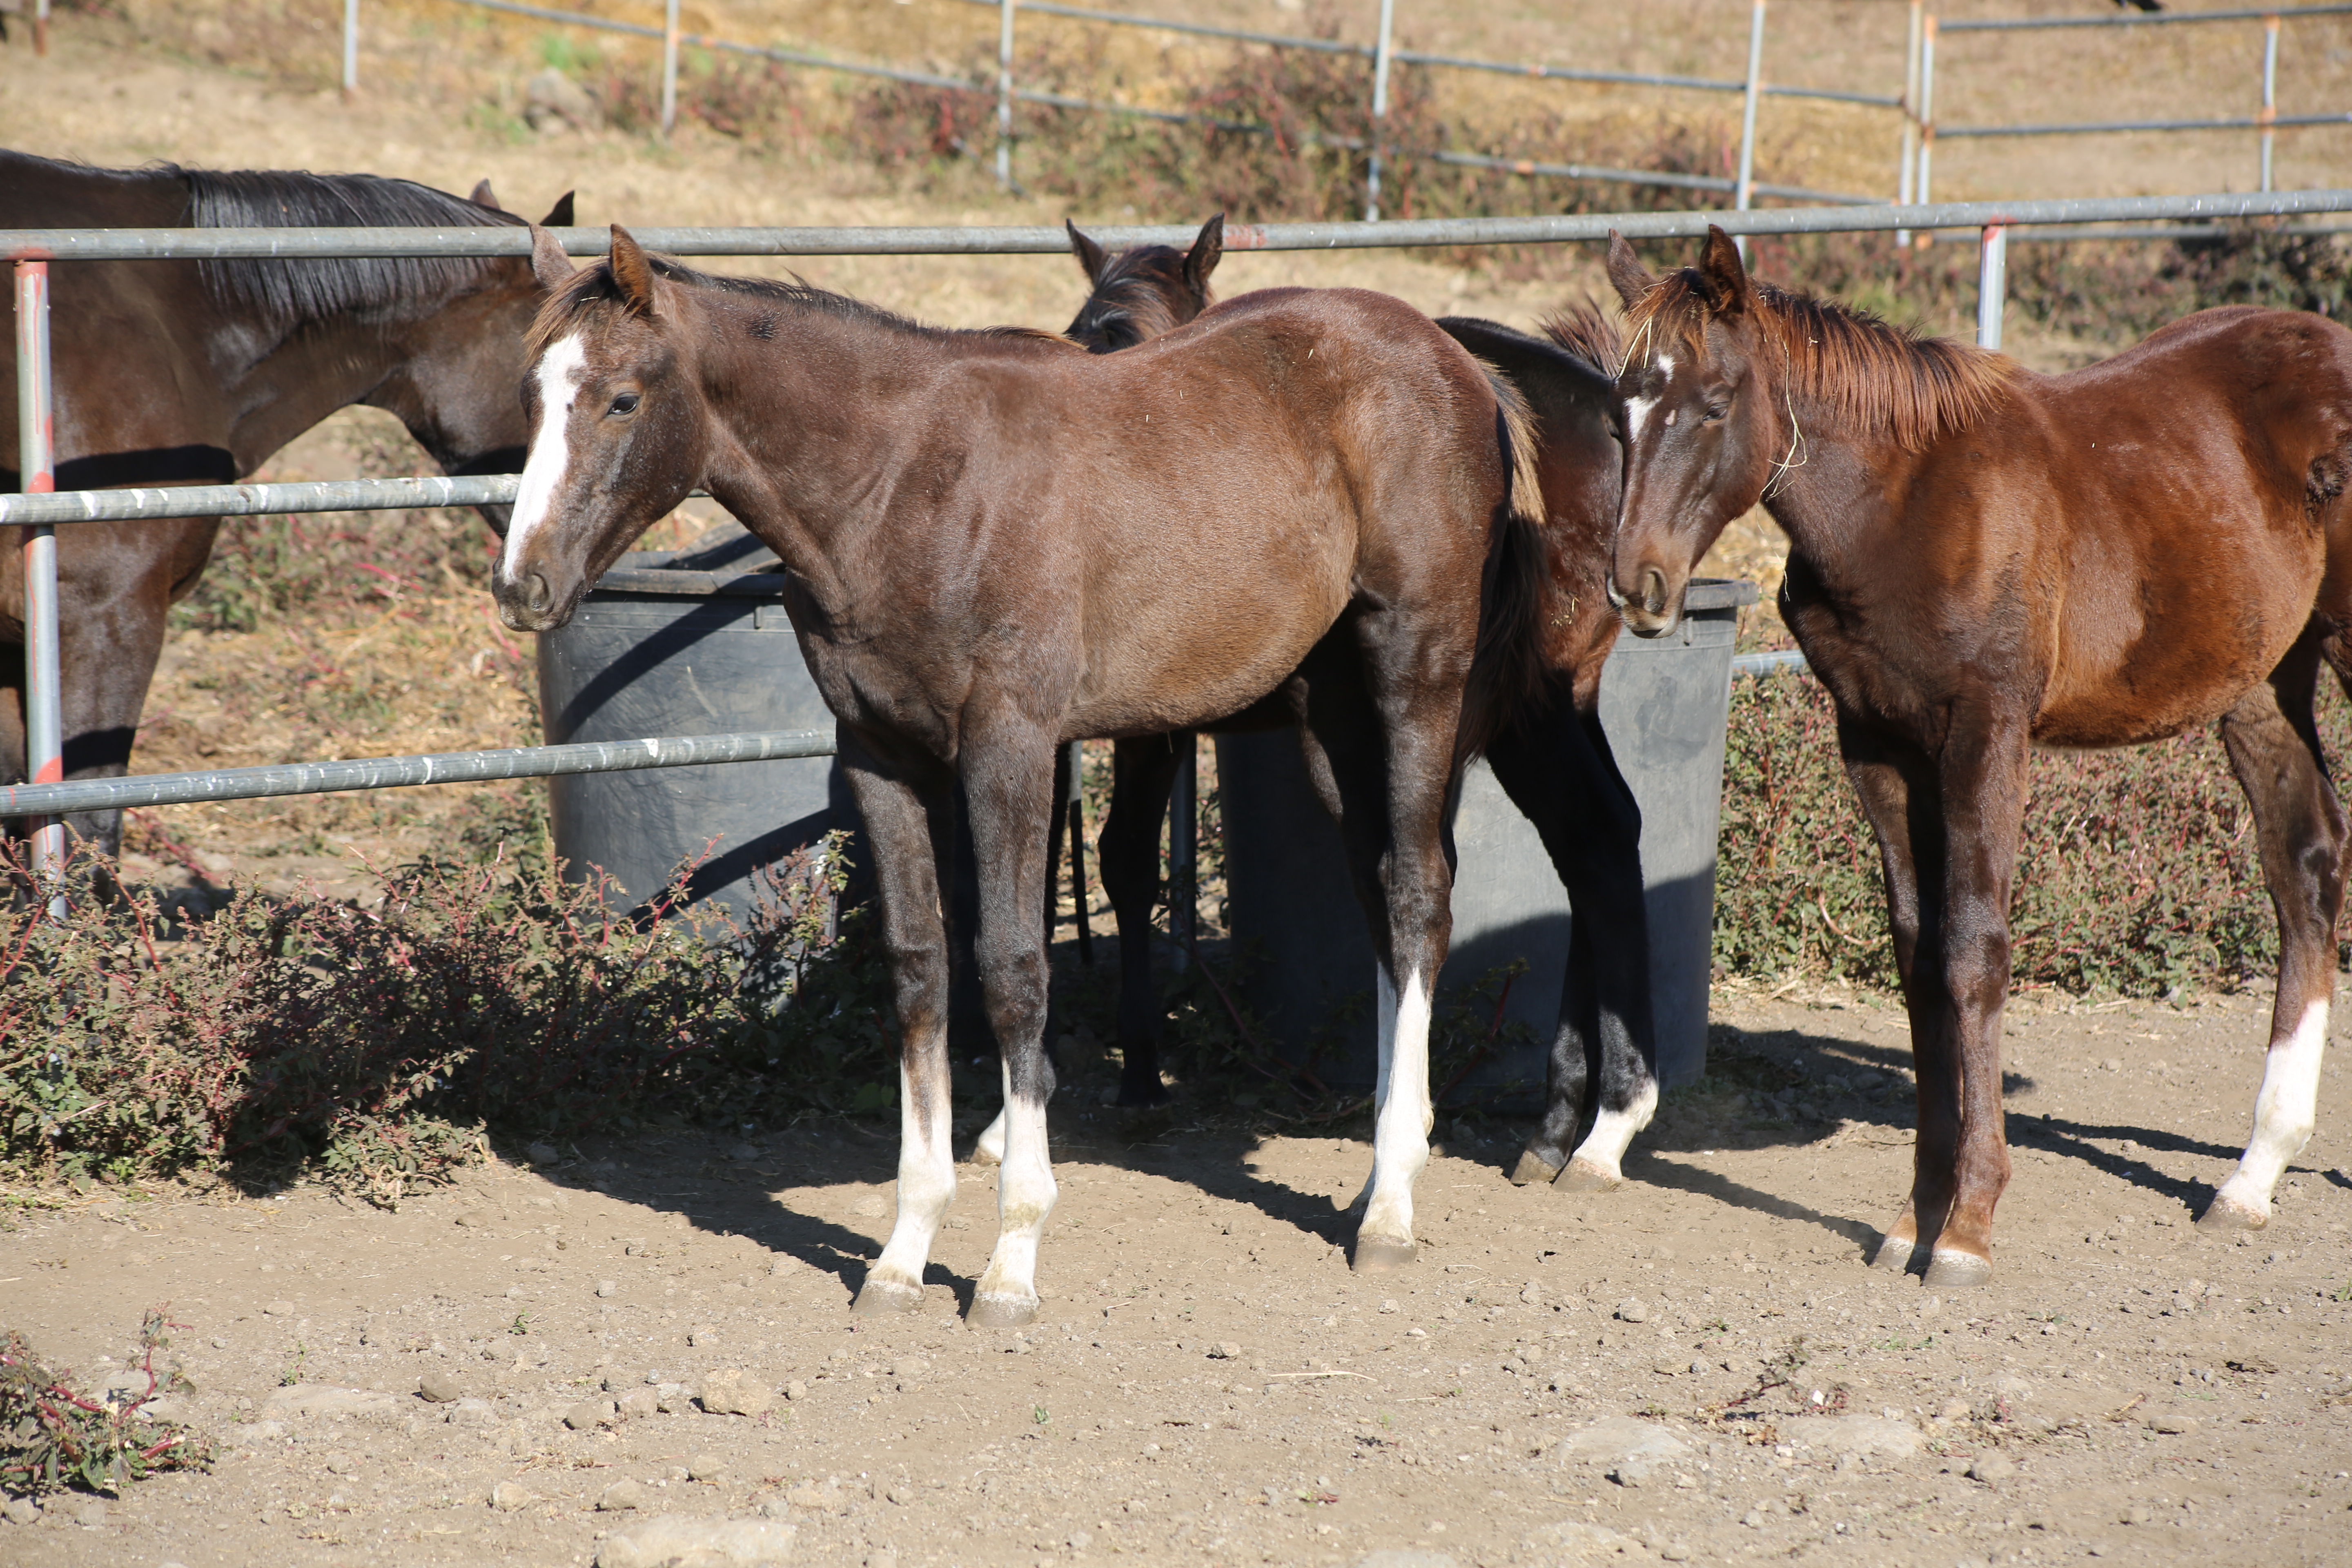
(2267, 121)
(1006, 92)
(40, 510)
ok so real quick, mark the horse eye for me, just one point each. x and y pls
(624, 404)
(1715, 411)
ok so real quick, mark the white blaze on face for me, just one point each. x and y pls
(1639, 409)
(559, 374)
(2285, 1112)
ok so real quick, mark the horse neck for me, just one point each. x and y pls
(1827, 482)
(804, 423)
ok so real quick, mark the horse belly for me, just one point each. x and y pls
(1191, 653)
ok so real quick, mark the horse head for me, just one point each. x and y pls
(1701, 420)
(1143, 292)
(617, 426)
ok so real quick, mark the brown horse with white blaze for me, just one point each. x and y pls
(999, 544)
(1983, 560)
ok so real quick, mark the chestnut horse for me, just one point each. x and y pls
(175, 373)
(999, 544)
(1983, 560)
(1551, 756)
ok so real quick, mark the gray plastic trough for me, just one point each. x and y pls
(688, 642)
(1664, 705)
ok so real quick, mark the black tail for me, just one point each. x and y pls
(1508, 670)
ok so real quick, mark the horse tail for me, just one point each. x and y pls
(1507, 669)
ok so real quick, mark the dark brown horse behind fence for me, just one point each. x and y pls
(1551, 758)
(1983, 560)
(172, 373)
(990, 557)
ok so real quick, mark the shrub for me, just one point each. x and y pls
(53, 1436)
(2138, 871)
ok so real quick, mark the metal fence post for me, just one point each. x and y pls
(1992, 284)
(1906, 172)
(36, 460)
(1744, 195)
(669, 65)
(2270, 94)
(1380, 111)
(351, 49)
(1923, 187)
(41, 26)
(1184, 849)
(1004, 94)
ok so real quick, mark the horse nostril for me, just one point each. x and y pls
(537, 598)
(1653, 591)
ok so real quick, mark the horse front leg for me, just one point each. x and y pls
(1008, 790)
(1561, 774)
(2273, 748)
(912, 840)
(1902, 800)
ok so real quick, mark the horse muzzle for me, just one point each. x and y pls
(529, 604)
(1652, 608)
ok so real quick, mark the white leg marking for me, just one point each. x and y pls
(2285, 1111)
(558, 373)
(1400, 1127)
(990, 1150)
(1384, 1015)
(1025, 1195)
(1602, 1154)
(926, 1185)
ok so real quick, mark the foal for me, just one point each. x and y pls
(1551, 756)
(1983, 560)
(990, 557)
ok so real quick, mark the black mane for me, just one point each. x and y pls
(291, 293)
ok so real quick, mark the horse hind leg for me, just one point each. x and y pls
(1127, 857)
(2273, 748)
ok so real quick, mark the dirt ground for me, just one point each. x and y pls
(1559, 1381)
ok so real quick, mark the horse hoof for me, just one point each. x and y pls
(982, 1154)
(1378, 1254)
(993, 1311)
(882, 1298)
(2229, 1217)
(1584, 1176)
(1894, 1254)
(1534, 1170)
(1948, 1268)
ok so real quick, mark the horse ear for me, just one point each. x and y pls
(483, 196)
(1625, 270)
(548, 263)
(1090, 255)
(1207, 250)
(1727, 277)
(560, 215)
(632, 273)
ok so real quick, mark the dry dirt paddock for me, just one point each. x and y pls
(1559, 1381)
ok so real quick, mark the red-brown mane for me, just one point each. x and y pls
(1585, 332)
(1874, 374)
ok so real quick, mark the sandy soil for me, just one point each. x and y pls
(1209, 1384)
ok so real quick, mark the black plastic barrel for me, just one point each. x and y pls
(692, 642)
(1662, 703)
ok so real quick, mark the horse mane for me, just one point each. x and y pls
(1583, 331)
(290, 293)
(1876, 375)
(1134, 301)
(594, 283)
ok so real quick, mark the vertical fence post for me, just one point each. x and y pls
(36, 460)
(1004, 94)
(2270, 94)
(669, 65)
(1380, 111)
(41, 26)
(1745, 196)
(1184, 849)
(351, 49)
(1992, 284)
(1923, 187)
(1906, 172)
